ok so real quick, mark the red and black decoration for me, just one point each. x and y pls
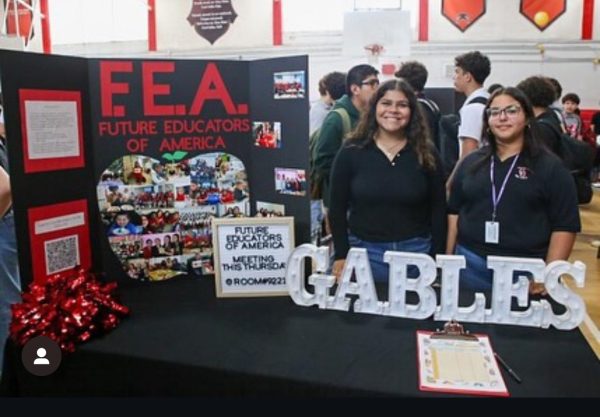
(542, 13)
(211, 18)
(19, 19)
(68, 309)
(463, 13)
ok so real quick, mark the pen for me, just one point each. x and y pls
(508, 368)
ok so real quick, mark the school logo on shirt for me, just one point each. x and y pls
(542, 13)
(522, 173)
(463, 13)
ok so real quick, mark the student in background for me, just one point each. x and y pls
(540, 93)
(493, 88)
(416, 75)
(361, 83)
(512, 197)
(595, 128)
(471, 71)
(556, 106)
(572, 120)
(387, 183)
(331, 87)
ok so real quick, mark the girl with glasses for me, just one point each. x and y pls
(512, 197)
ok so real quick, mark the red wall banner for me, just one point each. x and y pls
(423, 20)
(463, 13)
(587, 24)
(19, 19)
(542, 13)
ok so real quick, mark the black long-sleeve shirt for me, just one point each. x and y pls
(382, 201)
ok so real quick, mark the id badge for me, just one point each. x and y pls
(492, 232)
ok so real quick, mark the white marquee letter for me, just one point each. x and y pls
(399, 284)
(449, 309)
(503, 290)
(562, 294)
(357, 261)
(294, 276)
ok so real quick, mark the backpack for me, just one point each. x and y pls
(432, 117)
(578, 157)
(448, 138)
(316, 182)
(3, 155)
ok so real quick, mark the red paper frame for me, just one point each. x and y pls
(50, 164)
(38, 256)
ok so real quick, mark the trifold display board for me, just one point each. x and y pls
(120, 165)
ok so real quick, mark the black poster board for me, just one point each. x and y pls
(191, 139)
(45, 189)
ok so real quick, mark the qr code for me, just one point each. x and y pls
(61, 254)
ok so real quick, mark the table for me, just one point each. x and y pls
(181, 340)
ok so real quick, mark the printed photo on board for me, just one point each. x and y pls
(267, 134)
(264, 209)
(153, 210)
(233, 209)
(290, 181)
(289, 85)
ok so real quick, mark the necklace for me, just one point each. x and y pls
(392, 150)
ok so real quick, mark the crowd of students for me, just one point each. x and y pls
(508, 194)
(381, 180)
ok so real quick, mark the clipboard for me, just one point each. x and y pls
(459, 362)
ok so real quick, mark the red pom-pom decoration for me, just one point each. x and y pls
(69, 309)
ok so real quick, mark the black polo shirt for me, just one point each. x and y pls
(539, 199)
(385, 201)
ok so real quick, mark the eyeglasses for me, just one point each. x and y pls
(373, 83)
(509, 111)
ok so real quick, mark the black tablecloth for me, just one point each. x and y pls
(181, 340)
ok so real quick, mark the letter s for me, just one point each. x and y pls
(562, 294)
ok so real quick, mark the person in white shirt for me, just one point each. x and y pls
(470, 72)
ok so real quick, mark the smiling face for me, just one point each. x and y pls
(122, 220)
(393, 112)
(507, 119)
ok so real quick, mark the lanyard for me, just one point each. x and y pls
(496, 198)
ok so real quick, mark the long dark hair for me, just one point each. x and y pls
(417, 133)
(532, 146)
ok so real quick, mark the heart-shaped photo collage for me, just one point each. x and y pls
(158, 216)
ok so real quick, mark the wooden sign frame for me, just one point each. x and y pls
(247, 238)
